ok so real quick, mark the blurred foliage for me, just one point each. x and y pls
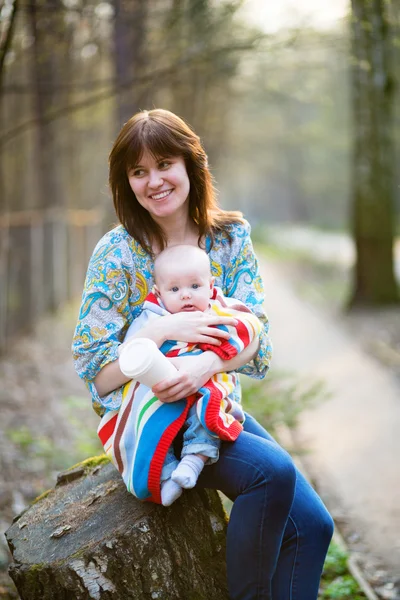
(342, 588)
(323, 282)
(335, 563)
(272, 109)
(74, 67)
(290, 150)
(336, 582)
(45, 454)
(279, 399)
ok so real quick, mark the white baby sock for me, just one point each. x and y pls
(187, 472)
(170, 491)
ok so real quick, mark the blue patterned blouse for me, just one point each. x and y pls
(119, 277)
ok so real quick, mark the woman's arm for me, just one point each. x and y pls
(195, 371)
(193, 327)
(105, 314)
(217, 365)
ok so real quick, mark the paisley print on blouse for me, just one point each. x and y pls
(119, 277)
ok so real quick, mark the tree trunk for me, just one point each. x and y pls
(373, 164)
(44, 77)
(7, 38)
(89, 539)
(129, 44)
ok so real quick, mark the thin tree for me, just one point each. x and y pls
(373, 192)
(129, 51)
(6, 36)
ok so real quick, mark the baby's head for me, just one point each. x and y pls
(183, 279)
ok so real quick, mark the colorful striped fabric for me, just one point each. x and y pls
(137, 436)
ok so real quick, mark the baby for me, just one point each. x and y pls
(183, 283)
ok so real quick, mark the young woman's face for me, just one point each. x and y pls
(161, 185)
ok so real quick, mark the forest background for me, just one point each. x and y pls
(299, 119)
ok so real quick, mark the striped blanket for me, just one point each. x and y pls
(137, 436)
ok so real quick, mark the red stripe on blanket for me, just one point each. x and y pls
(106, 432)
(243, 333)
(226, 350)
(152, 298)
(173, 353)
(213, 419)
(157, 462)
(234, 430)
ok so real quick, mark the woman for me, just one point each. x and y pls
(279, 530)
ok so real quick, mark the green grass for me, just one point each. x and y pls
(336, 582)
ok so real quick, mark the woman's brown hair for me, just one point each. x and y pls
(163, 134)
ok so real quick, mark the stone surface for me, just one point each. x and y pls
(89, 539)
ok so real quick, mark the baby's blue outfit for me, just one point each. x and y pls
(196, 440)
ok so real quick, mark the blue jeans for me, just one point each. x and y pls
(279, 530)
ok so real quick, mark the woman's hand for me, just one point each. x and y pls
(193, 372)
(195, 327)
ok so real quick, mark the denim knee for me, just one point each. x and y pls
(325, 528)
(279, 473)
(285, 474)
(320, 525)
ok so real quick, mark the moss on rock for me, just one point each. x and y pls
(90, 463)
(42, 496)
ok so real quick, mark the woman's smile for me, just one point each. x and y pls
(161, 185)
(161, 195)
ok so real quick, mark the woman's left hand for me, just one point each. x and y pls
(192, 374)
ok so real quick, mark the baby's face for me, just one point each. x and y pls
(185, 288)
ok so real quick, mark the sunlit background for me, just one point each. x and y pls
(271, 16)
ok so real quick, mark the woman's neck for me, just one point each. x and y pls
(179, 231)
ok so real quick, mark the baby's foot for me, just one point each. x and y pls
(170, 491)
(187, 472)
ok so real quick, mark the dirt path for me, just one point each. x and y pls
(352, 439)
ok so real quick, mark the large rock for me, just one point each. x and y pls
(88, 538)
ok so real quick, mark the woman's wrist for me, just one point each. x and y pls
(213, 362)
(157, 334)
(109, 378)
(217, 365)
